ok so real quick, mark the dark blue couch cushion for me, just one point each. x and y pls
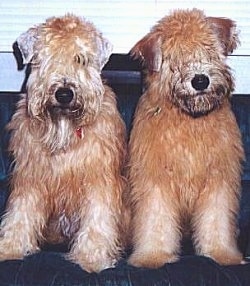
(48, 268)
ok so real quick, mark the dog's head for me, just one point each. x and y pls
(188, 51)
(66, 55)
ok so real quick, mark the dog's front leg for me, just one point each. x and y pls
(155, 225)
(21, 227)
(96, 246)
(214, 221)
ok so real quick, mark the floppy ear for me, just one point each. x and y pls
(149, 50)
(26, 43)
(104, 51)
(226, 31)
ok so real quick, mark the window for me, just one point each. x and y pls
(123, 22)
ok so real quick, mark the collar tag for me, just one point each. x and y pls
(157, 111)
(79, 132)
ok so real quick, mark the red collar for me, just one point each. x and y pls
(79, 132)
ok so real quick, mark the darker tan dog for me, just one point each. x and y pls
(185, 148)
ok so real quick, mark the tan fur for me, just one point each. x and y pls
(185, 149)
(66, 187)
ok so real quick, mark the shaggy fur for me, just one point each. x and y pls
(68, 143)
(185, 148)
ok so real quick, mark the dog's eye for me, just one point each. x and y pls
(80, 59)
(34, 61)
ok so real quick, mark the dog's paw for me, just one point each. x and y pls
(224, 257)
(92, 263)
(8, 255)
(151, 259)
(9, 250)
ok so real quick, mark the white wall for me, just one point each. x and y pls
(123, 22)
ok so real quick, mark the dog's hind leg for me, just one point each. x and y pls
(21, 228)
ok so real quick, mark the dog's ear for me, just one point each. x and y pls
(105, 49)
(148, 49)
(226, 31)
(25, 43)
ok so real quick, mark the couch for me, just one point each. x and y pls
(49, 267)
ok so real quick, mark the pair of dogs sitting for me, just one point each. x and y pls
(74, 181)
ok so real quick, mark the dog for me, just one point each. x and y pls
(69, 145)
(185, 149)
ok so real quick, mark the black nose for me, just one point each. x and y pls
(64, 95)
(200, 82)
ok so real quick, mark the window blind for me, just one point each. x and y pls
(123, 22)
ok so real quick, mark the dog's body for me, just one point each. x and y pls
(185, 147)
(68, 143)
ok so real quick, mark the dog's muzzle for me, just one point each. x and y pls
(65, 104)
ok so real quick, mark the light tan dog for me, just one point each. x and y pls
(185, 147)
(68, 142)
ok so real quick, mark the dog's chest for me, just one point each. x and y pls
(190, 151)
(65, 181)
